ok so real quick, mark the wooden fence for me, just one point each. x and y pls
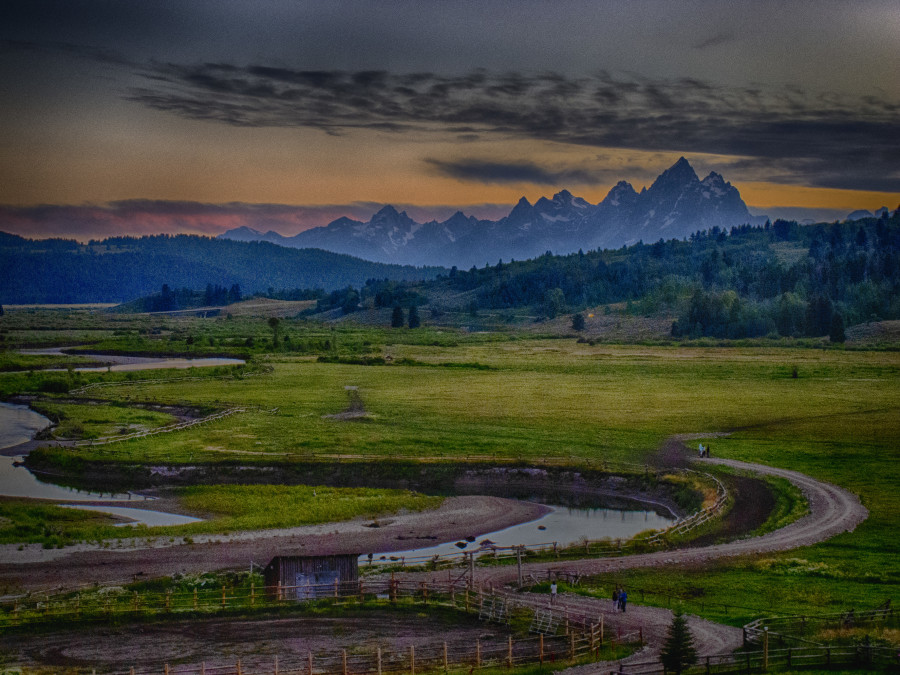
(556, 634)
(119, 604)
(795, 658)
(798, 629)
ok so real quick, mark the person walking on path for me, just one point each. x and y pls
(615, 599)
(553, 592)
(623, 599)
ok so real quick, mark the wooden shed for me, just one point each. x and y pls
(310, 577)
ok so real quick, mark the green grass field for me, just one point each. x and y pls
(451, 395)
(226, 508)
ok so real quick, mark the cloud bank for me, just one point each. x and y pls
(785, 135)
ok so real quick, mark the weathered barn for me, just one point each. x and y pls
(309, 577)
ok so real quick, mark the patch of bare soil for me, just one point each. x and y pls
(220, 642)
(753, 502)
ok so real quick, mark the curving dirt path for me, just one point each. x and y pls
(832, 510)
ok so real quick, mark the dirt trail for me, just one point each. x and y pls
(832, 510)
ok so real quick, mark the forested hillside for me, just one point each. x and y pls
(750, 281)
(124, 268)
(780, 279)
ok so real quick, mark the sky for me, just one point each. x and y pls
(123, 117)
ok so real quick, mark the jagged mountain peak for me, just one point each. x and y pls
(680, 174)
(677, 204)
(387, 211)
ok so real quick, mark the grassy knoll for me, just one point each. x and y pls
(228, 508)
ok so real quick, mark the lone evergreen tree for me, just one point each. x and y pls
(678, 650)
(836, 333)
(397, 319)
(273, 324)
(414, 321)
(578, 322)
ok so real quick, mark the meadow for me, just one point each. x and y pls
(448, 395)
(226, 508)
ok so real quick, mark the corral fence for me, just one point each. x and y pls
(554, 634)
(117, 604)
(791, 658)
(803, 629)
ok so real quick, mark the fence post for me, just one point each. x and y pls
(253, 603)
(446, 661)
(593, 638)
(572, 645)
(344, 662)
(478, 653)
(276, 664)
(238, 667)
(378, 659)
(166, 669)
(509, 653)
(519, 565)
(412, 660)
(309, 663)
(601, 629)
(203, 668)
(541, 648)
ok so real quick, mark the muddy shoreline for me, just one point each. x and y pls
(35, 568)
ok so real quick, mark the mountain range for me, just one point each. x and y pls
(677, 204)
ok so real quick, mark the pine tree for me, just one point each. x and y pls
(578, 322)
(414, 321)
(836, 333)
(678, 650)
(397, 319)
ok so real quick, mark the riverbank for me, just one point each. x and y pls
(32, 567)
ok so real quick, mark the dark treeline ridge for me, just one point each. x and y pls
(780, 279)
(121, 269)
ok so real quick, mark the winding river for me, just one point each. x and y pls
(562, 524)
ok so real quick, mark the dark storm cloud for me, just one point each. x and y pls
(827, 141)
(512, 172)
